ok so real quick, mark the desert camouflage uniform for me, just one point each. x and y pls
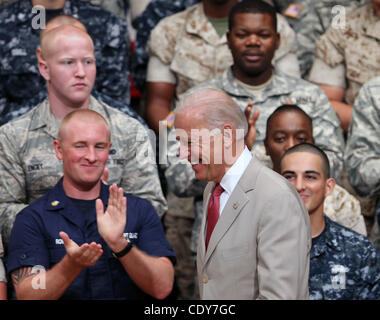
(22, 86)
(29, 167)
(357, 48)
(189, 44)
(343, 266)
(342, 207)
(313, 20)
(284, 89)
(144, 24)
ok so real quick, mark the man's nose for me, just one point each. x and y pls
(300, 185)
(79, 72)
(253, 39)
(91, 154)
(289, 143)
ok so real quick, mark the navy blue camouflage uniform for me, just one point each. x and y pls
(22, 86)
(343, 265)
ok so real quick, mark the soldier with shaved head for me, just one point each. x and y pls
(22, 87)
(28, 163)
(92, 241)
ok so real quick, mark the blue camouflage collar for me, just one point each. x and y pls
(329, 239)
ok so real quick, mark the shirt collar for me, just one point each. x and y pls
(279, 85)
(233, 175)
(328, 240)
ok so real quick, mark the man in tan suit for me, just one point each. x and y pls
(255, 235)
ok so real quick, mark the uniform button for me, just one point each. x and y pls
(205, 278)
(23, 256)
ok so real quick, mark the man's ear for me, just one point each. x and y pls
(330, 185)
(42, 65)
(266, 147)
(58, 149)
(228, 136)
(278, 40)
(228, 35)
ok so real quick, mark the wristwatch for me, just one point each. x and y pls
(123, 252)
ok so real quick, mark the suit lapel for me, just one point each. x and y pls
(202, 240)
(232, 209)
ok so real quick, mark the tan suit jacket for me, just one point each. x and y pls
(260, 246)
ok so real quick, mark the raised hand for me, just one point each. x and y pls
(250, 137)
(82, 256)
(111, 224)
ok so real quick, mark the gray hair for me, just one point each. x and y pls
(214, 106)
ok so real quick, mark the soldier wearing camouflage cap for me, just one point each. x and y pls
(27, 162)
(22, 87)
(347, 56)
(343, 264)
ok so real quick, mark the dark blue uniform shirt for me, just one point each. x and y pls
(343, 265)
(35, 241)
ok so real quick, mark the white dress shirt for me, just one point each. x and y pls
(232, 177)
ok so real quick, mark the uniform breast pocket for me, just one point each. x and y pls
(42, 168)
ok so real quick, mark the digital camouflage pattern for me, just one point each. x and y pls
(189, 44)
(22, 86)
(281, 90)
(342, 207)
(118, 7)
(313, 20)
(144, 24)
(356, 47)
(362, 154)
(29, 167)
(343, 266)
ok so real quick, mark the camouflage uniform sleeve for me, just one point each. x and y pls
(12, 183)
(140, 174)
(144, 23)
(163, 38)
(308, 30)
(286, 55)
(363, 144)
(369, 272)
(327, 132)
(329, 47)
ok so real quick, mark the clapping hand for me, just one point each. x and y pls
(250, 137)
(112, 222)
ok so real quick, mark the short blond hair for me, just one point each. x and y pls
(82, 115)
